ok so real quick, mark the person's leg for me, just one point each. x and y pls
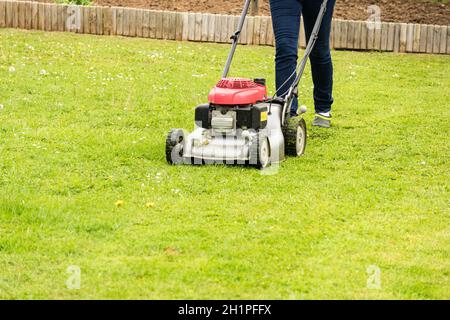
(286, 27)
(321, 63)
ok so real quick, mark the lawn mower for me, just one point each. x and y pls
(240, 124)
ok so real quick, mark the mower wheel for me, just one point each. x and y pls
(295, 137)
(260, 152)
(174, 146)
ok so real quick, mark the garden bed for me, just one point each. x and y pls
(411, 11)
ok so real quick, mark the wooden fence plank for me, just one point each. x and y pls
(250, 27)
(384, 36)
(357, 35)
(21, 13)
(139, 22)
(28, 16)
(2, 14)
(403, 36)
(416, 41)
(423, 38)
(409, 37)
(224, 30)
(160, 24)
(113, 21)
(444, 39)
(55, 17)
(127, 28)
(436, 39)
(448, 40)
(165, 25)
(146, 24)
(337, 33)
(9, 14)
(107, 21)
(153, 25)
(232, 26)
(390, 37)
(377, 38)
(178, 26)
(243, 35)
(205, 27)
(152, 22)
(48, 17)
(257, 30)
(172, 25)
(77, 18)
(191, 26)
(185, 35)
(61, 18)
(92, 20)
(34, 15)
(41, 16)
(371, 36)
(119, 21)
(73, 20)
(100, 23)
(198, 27)
(132, 22)
(264, 27)
(397, 38)
(430, 35)
(344, 33)
(86, 20)
(15, 14)
(350, 35)
(302, 41)
(211, 27)
(217, 27)
(364, 35)
(270, 35)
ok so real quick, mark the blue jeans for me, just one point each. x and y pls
(286, 15)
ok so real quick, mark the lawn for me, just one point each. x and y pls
(84, 182)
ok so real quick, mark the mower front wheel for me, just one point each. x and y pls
(175, 146)
(260, 152)
(295, 137)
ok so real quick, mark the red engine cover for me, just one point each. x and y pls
(237, 91)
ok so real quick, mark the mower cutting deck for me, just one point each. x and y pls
(240, 124)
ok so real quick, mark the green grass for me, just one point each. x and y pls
(90, 130)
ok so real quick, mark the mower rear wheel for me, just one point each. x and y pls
(175, 146)
(260, 152)
(295, 137)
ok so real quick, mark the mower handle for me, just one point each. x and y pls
(235, 38)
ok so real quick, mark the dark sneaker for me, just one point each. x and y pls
(322, 121)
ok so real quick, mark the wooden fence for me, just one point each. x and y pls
(353, 35)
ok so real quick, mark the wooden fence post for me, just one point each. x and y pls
(2, 14)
